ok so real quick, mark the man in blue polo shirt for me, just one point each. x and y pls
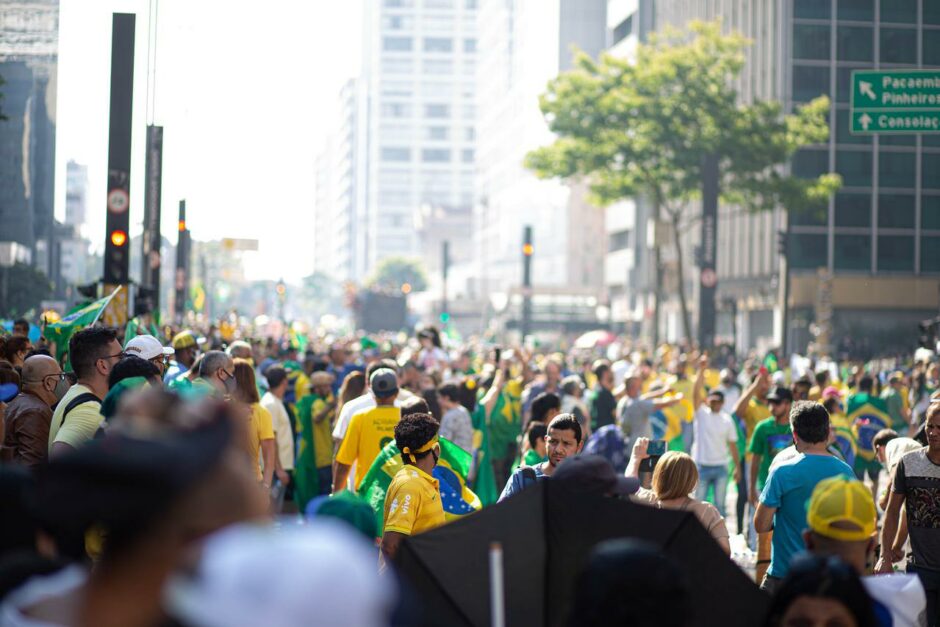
(783, 502)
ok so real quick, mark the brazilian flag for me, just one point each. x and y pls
(451, 473)
(59, 333)
(868, 415)
(845, 438)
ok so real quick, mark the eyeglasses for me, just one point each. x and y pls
(59, 377)
(161, 359)
(120, 356)
(229, 375)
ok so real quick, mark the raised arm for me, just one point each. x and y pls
(698, 391)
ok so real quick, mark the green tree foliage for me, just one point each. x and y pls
(645, 128)
(393, 272)
(22, 288)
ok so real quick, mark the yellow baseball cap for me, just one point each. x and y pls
(842, 509)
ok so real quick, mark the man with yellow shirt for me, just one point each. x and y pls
(413, 501)
(369, 431)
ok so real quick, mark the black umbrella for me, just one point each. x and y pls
(546, 533)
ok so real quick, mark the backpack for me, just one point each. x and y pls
(81, 399)
(609, 443)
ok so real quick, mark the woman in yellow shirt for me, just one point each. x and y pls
(260, 430)
(413, 500)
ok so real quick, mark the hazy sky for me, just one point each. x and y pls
(244, 91)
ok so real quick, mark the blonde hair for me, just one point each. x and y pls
(675, 476)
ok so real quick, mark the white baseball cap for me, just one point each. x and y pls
(147, 347)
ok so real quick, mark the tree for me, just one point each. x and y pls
(646, 128)
(22, 288)
(394, 272)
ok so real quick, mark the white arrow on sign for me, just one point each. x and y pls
(865, 120)
(866, 90)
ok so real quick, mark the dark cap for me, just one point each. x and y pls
(781, 394)
(594, 474)
(384, 382)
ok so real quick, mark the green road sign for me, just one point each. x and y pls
(886, 101)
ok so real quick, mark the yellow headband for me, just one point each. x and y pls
(427, 447)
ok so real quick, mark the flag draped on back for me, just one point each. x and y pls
(868, 415)
(451, 472)
(59, 333)
(484, 482)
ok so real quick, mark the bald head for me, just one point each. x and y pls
(37, 367)
(39, 379)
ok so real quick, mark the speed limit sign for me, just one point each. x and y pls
(117, 200)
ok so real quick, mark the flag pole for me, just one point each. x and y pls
(497, 600)
(101, 311)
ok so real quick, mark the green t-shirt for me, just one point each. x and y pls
(769, 438)
(320, 432)
(504, 425)
(531, 458)
(895, 405)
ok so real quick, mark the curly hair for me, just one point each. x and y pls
(414, 431)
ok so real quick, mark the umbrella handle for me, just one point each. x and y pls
(497, 598)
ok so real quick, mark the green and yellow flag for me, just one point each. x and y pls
(451, 472)
(868, 415)
(59, 333)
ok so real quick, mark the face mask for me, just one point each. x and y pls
(230, 385)
(61, 388)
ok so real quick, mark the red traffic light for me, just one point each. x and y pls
(182, 225)
(118, 238)
(527, 250)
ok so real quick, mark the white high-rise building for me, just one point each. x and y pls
(419, 68)
(523, 45)
(76, 191)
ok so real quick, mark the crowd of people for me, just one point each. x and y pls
(179, 479)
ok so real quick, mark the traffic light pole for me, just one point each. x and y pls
(527, 250)
(783, 249)
(150, 260)
(445, 268)
(182, 265)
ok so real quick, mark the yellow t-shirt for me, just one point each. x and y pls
(81, 423)
(322, 434)
(756, 411)
(413, 502)
(368, 432)
(260, 428)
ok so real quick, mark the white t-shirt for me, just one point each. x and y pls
(359, 405)
(902, 595)
(282, 432)
(712, 432)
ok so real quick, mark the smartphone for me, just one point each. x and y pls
(499, 352)
(656, 448)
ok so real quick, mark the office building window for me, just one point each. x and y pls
(396, 110)
(469, 111)
(437, 132)
(396, 44)
(438, 44)
(896, 169)
(853, 252)
(932, 12)
(438, 66)
(855, 167)
(618, 241)
(808, 251)
(809, 82)
(931, 43)
(852, 209)
(469, 133)
(896, 253)
(436, 111)
(896, 211)
(397, 22)
(466, 155)
(854, 43)
(435, 155)
(623, 29)
(897, 140)
(843, 134)
(397, 66)
(811, 216)
(439, 4)
(844, 83)
(470, 4)
(930, 212)
(929, 254)
(856, 10)
(811, 9)
(810, 163)
(930, 171)
(397, 4)
(898, 45)
(810, 42)
(899, 11)
(469, 45)
(395, 154)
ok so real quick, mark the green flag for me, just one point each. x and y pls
(59, 333)
(130, 331)
(451, 473)
(306, 478)
(484, 483)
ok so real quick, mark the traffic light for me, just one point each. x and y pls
(528, 249)
(144, 300)
(116, 245)
(445, 317)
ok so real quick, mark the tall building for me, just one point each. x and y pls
(76, 192)
(342, 174)
(29, 33)
(864, 270)
(523, 45)
(419, 65)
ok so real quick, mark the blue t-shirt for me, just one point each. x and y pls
(788, 489)
(519, 481)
